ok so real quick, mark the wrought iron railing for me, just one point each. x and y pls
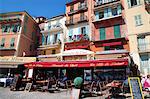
(144, 47)
(76, 20)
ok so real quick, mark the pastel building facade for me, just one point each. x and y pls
(78, 26)
(109, 30)
(52, 38)
(18, 34)
(138, 24)
(18, 41)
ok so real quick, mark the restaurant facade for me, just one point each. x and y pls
(94, 47)
(18, 41)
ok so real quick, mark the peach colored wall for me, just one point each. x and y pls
(8, 39)
(109, 30)
(26, 38)
(22, 40)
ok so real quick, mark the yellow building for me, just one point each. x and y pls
(137, 18)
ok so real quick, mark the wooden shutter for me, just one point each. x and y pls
(117, 31)
(102, 33)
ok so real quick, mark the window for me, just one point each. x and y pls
(12, 42)
(117, 47)
(53, 51)
(101, 15)
(102, 33)
(71, 8)
(55, 38)
(26, 19)
(15, 28)
(107, 12)
(82, 17)
(114, 12)
(117, 33)
(132, 3)
(43, 39)
(142, 43)
(83, 30)
(71, 19)
(6, 28)
(144, 60)
(2, 43)
(138, 20)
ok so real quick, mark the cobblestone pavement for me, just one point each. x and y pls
(5, 93)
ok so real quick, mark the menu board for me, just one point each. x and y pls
(135, 88)
(75, 94)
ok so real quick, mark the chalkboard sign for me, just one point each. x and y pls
(28, 87)
(135, 88)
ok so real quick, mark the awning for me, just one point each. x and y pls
(85, 63)
(112, 44)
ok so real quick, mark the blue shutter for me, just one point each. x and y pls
(109, 12)
(87, 32)
(48, 39)
(105, 13)
(43, 39)
(70, 34)
(97, 15)
(79, 30)
(58, 36)
(119, 9)
(129, 3)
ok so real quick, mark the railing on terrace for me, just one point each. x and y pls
(52, 27)
(82, 6)
(102, 2)
(75, 38)
(144, 47)
(76, 20)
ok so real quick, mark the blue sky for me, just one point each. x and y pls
(46, 8)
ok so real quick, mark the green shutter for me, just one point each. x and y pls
(102, 34)
(25, 29)
(117, 33)
(12, 42)
(2, 43)
(3, 28)
(12, 28)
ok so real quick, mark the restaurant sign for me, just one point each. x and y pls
(18, 59)
(77, 64)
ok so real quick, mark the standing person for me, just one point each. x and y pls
(147, 83)
(143, 78)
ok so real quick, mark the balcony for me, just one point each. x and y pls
(52, 28)
(147, 5)
(108, 13)
(9, 20)
(103, 4)
(80, 37)
(106, 18)
(81, 8)
(144, 48)
(76, 20)
(7, 49)
(49, 46)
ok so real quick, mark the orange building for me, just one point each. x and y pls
(18, 39)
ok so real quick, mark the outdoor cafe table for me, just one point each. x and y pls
(43, 82)
(115, 86)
